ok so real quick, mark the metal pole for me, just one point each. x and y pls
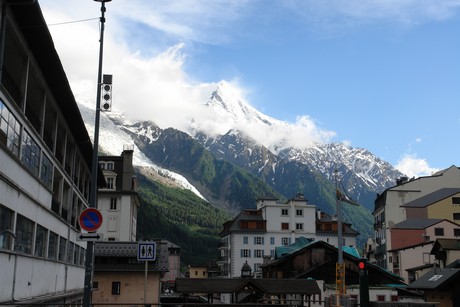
(340, 267)
(145, 282)
(89, 260)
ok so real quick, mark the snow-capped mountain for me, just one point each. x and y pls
(232, 130)
(229, 153)
(112, 141)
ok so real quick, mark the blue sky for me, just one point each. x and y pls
(380, 74)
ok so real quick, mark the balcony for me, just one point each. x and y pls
(380, 250)
(222, 259)
(222, 245)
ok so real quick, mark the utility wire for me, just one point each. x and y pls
(67, 22)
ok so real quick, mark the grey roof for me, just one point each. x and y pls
(446, 244)
(232, 285)
(436, 279)
(418, 223)
(420, 267)
(412, 246)
(431, 198)
(454, 265)
(121, 249)
(115, 249)
(245, 215)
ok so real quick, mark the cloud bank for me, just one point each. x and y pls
(414, 167)
(150, 81)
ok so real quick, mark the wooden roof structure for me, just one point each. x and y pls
(273, 286)
(256, 287)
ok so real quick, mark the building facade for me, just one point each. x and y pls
(45, 165)
(389, 207)
(118, 202)
(119, 277)
(255, 233)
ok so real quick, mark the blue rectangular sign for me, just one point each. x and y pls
(146, 251)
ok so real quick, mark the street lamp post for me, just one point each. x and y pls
(89, 260)
(340, 266)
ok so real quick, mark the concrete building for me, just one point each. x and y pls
(389, 207)
(441, 284)
(253, 235)
(118, 202)
(411, 261)
(416, 231)
(440, 204)
(45, 165)
(119, 277)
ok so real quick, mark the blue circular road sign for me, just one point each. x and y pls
(90, 219)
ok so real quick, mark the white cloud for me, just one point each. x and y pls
(414, 167)
(157, 88)
(153, 85)
(217, 21)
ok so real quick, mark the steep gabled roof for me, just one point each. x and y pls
(446, 244)
(431, 198)
(412, 246)
(436, 279)
(245, 215)
(418, 223)
(233, 285)
(377, 272)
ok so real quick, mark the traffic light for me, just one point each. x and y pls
(363, 282)
(106, 94)
(362, 265)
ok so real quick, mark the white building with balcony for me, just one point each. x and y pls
(255, 233)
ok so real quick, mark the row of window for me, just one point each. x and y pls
(116, 287)
(440, 232)
(257, 253)
(285, 226)
(261, 240)
(27, 237)
(106, 165)
(22, 145)
(26, 148)
(285, 212)
(28, 93)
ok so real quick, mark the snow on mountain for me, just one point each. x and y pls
(112, 141)
(235, 131)
(227, 109)
(325, 158)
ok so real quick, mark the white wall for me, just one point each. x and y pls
(25, 277)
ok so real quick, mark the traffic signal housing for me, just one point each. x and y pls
(106, 93)
(362, 265)
(363, 282)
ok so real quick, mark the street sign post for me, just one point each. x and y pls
(146, 251)
(90, 219)
(90, 236)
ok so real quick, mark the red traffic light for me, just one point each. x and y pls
(361, 265)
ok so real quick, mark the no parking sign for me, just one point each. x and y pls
(90, 219)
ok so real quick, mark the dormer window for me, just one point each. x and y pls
(109, 165)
